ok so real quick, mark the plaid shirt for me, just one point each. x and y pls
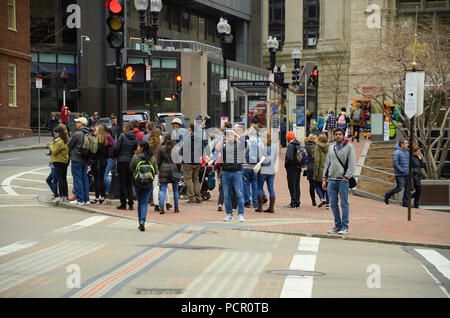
(331, 122)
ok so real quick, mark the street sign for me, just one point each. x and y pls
(148, 74)
(272, 77)
(223, 96)
(223, 85)
(414, 88)
(145, 48)
(38, 82)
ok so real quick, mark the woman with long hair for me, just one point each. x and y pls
(167, 168)
(310, 143)
(143, 157)
(320, 154)
(124, 150)
(267, 172)
(60, 159)
(99, 164)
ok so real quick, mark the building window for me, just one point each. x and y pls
(201, 28)
(185, 22)
(12, 85)
(12, 14)
(311, 22)
(277, 19)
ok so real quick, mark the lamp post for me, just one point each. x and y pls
(149, 32)
(279, 74)
(224, 30)
(80, 56)
(296, 56)
(272, 45)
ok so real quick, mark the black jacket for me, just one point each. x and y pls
(125, 147)
(310, 166)
(291, 152)
(417, 165)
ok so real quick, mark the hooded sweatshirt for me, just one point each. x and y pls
(333, 168)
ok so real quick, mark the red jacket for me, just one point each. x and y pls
(139, 134)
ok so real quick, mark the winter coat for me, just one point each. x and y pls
(270, 164)
(417, 166)
(165, 165)
(310, 166)
(291, 153)
(125, 147)
(320, 154)
(75, 144)
(60, 151)
(320, 123)
(333, 168)
(400, 160)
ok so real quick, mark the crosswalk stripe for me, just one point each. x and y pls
(19, 270)
(440, 262)
(17, 246)
(82, 224)
(309, 244)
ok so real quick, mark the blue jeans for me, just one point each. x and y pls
(142, 196)
(109, 167)
(335, 188)
(321, 192)
(401, 182)
(51, 181)
(233, 180)
(269, 179)
(162, 195)
(250, 178)
(80, 181)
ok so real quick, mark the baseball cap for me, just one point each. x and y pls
(177, 121)
(81, 120)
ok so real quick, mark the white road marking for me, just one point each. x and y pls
(29, 188)
(6, 184)
(436, 280)
(21, 205)
(440, 262)
(301, 286)
(85, 223)
(17, 246)
(23, 268)
(31, 180)
(9, 159)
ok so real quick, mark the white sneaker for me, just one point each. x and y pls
(241, 218)
(75, 202)
(87, 203)
(229, 217)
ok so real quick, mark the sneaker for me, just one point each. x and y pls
(101, 202)
(327, 206)
(289, 206)
(334, 230)
(321, 203)
(386, 200)
(344, 230)
(247, 206)
(241, 218)
(229, 217)
(219, 208)
(72, 199)
(95, 201)
(76, 203)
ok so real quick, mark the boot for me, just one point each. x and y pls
(176, 209)
(271, 205)
(260, 203)
(156, 208)
(162, 210)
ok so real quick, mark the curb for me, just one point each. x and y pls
(22, 148)
(318, 235)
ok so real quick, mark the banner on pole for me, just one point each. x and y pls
(414, 89)
(38, 82)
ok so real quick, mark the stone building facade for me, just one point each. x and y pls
(15, 61)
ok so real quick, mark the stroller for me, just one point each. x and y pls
(207, 176)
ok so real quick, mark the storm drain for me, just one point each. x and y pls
(159, 291)
(295, 273)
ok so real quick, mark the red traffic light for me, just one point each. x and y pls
(179, 78)
(173, 96)
(115, 6)
(315, 73)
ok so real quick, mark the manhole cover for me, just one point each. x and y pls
(295, 273)
(158, 291)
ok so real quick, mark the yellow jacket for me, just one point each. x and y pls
(60, 151)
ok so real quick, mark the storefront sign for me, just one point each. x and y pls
(250, 83)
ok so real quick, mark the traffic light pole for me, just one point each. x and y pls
(119, 82)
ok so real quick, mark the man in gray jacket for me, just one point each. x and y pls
(79, 164)
(339, 168)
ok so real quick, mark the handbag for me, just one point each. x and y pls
(175, 176)
(352, 181)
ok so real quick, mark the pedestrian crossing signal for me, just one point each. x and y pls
(134, 73)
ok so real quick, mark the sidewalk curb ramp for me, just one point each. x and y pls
(42, 198)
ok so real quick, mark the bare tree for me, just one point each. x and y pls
(387, 65)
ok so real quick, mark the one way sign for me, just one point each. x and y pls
(414, 89)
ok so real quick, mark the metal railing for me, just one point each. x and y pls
(178, 46)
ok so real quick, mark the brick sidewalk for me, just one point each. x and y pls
(369, 219)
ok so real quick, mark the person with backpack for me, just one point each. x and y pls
(124, 150)
(320, 122)
(251, 159)
(339, 167)
(342, 120)
(60, 160)
(355, 122)
(330, 125)
(98, 165)
(144, 167)
(310, 143)
(80, 162)
(168, 173)
(295, 160)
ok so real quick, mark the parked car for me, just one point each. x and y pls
(105, 121)
(142, 116)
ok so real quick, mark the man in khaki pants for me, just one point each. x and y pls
(192, 151)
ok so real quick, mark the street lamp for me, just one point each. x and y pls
(77, 92)
(272, 44)
(149, 31)
(296, 56)
(224, 30)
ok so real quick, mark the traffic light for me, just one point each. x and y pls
(173, 96)
(314, 78)
(296, 77)
(116, 23)
(134, 73)
(179, 79)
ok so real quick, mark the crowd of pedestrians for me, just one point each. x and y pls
(244, 161)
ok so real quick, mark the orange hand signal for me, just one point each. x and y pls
(129, 73)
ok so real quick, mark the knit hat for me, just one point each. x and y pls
(290, 135)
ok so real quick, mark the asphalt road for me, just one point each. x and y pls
(46, 251)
